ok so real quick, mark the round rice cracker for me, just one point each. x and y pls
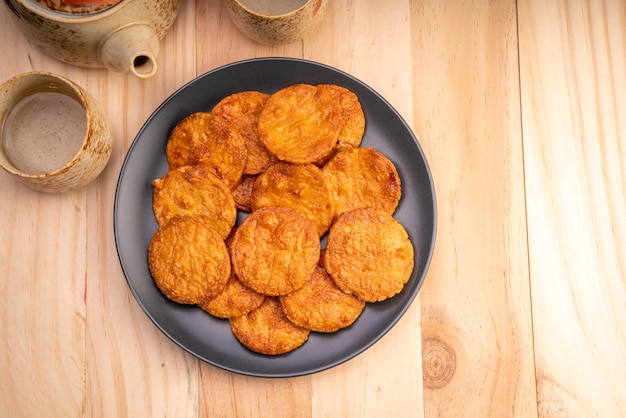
(188, 261)
(320, 305)
(298, 186)
(275, 250)
(352, 116)
(192, 191)
(298, 125)
(267, 330)
(362, 177)
(187, 142)
(369, 254)
(240, 112)
(234, 300)
(202, 139)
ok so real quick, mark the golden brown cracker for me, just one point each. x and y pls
(297, 125)
(266, 330)
(193, 191)
(202, 139)
(187, 143)
(241, 112)
(227, 153)
(362, 177)
(352, 117)
(298, 186)
(274, 250)
(320, 305)
(188, 260)
(369, 254)
(234, 300)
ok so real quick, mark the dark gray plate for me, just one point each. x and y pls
(208, 338)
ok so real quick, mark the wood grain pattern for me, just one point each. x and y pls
(520, 108)
(43, 310)
(476, 315)
(573, 78)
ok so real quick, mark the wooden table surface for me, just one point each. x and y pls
(520, 107)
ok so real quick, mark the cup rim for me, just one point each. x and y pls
(83, 101)
(266, 16)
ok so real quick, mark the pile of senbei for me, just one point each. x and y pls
(293, 162)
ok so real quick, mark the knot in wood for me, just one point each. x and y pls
(438, 363)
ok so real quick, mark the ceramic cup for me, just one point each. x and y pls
(276, 22)
(122, 35)
(54, 136)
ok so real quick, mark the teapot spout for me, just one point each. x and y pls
(132, 48)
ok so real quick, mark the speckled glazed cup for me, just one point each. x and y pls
(54, 135)
(274, 22)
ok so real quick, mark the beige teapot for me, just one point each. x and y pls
(122, 35)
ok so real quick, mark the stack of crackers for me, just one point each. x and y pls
(292, 161)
